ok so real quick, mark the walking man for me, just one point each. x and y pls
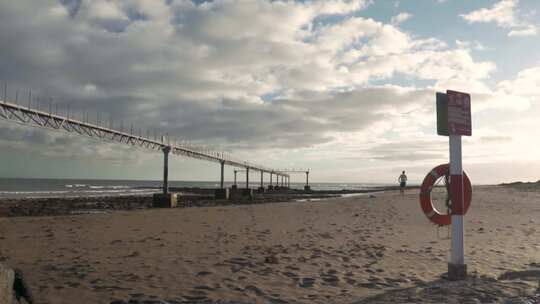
(402, 179)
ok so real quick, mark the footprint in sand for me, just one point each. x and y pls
(307, 282)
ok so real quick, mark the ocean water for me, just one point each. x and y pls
(43, 188)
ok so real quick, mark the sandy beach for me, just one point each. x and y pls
(360, 249)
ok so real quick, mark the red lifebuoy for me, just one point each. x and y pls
(425, 195)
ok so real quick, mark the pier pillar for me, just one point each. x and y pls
(222, 174)
(165, 199)
(234, 186)
(166, 151)
(307, 187)
(261, 187)
(247, 178)
(222, 192)
(270, 187)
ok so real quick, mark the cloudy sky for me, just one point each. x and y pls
(344, 87)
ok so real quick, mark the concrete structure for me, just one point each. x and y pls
(247, 193)
(222, 193)
(165, 200)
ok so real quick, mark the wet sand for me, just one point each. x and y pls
(357, 249)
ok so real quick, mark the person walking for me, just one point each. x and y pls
(402, 179)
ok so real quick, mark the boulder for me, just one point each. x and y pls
(7, 277)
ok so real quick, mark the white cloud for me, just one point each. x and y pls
(506, 15)
(401, 17)
(258, 75)
(526, 84)
(529, 30)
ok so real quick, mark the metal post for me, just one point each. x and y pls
(270, 178)
(166, 151)
(307, 178)
(247, 178)
(235, 171)
(262, 179)
(456, 268)
(222, 174)
(282, 180)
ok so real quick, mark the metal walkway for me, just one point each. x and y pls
(27, 115)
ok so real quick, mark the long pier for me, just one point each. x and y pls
(285, 176)
(26, 115)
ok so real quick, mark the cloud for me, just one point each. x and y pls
(526, 84)
(505, 14)
(261, 77)
(401, 17)
(528, 30)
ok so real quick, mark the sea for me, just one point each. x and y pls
(51, 188)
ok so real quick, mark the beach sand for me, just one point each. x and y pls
(357, 249)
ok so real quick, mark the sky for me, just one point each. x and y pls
(345, 88)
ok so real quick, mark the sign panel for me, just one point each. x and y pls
(459, 113)
(442, 114)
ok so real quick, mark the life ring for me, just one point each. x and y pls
(433, 214)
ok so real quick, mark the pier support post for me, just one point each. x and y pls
(270, 187)
(307, 187)
(222, 174)
(165, 199)
(234, 186)
(222, 192)
(247, 178)
(261, 187)
(166, 151)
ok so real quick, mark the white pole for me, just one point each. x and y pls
(456, 268)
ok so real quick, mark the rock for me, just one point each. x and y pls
(272, 259)
(21, 289)
(7, 277)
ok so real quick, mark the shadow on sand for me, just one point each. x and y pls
(512, 287)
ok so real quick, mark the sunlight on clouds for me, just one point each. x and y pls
(270, 80)
(505, 14)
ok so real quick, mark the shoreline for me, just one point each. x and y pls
(190, 197)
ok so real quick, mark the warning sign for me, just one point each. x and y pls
(459, 113)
